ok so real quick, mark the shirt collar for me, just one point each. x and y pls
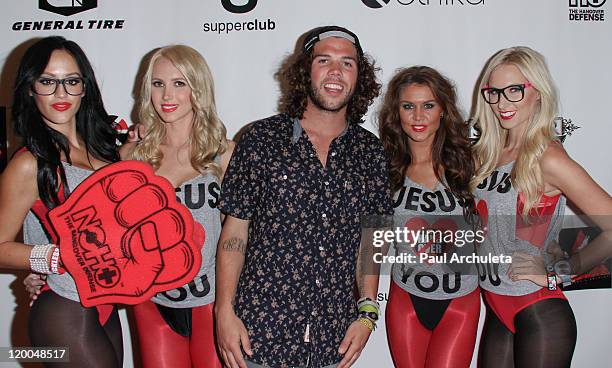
(298, 130)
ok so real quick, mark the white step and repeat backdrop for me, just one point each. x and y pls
(244, 42)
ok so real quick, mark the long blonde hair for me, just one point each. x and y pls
(526, 174)
(208, 138)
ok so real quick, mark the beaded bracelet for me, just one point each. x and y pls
(366, 322)
(40, 262)
(38, 258)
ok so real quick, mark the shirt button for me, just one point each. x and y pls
(284, 177)
(324, 215)
(333, 154)
(326, 183)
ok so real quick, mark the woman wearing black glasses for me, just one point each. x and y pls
(524, 177)
(67, 134)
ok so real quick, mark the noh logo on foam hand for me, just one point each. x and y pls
(375, 4)
(67, 7)
(239, 6)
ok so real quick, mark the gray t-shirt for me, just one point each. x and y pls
(418, 207)
(201, 196)
(507, 233)
(34, 234)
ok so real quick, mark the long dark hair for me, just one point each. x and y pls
(93, 124)
(451, 149)
(294, 79)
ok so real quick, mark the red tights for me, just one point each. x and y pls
(161, 347)
(449, 345)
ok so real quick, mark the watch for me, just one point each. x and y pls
(563, 269)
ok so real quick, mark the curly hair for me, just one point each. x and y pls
(295, 85)
(450, 150)
(208, 137)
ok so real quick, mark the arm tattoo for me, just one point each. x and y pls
(234, 245)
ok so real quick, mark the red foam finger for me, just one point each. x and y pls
(111, 232)
(181, 259)
(140, 204)
(119, 185)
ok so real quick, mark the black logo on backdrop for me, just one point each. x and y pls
(225, 27)
(67, 7)
(586, 3)
(375, 4)
(586, 10)
(239, 9)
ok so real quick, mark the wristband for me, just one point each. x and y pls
(369, 315)
(368, 308)
(54, 265)
(361, 303)
(551, 278)
(563, 269)
(39, 262)
(366, 322)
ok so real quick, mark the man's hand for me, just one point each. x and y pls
(231, 334)
(353, 343)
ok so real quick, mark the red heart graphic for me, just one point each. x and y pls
(483, 215)
(415, 224)
(535, 229)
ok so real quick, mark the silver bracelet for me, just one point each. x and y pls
(38, 258)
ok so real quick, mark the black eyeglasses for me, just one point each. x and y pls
(512, 93)
(73, 86)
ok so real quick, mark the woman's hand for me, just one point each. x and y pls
(527, 267)
(33, 284)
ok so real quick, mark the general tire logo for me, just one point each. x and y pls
(67, 7)
(375, 4)
(239, 9)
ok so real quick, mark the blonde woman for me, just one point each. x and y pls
(524, 178)
(186, 143)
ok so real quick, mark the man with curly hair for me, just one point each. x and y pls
(295, 191)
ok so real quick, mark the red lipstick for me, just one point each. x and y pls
(169, 107)
(61, 106)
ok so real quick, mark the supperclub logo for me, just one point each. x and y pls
(377, 4)
(586, 10)
(67, 8)
(239, 7)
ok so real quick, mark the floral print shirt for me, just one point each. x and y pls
(296, 293)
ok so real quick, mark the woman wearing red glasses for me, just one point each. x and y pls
(524, 177)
